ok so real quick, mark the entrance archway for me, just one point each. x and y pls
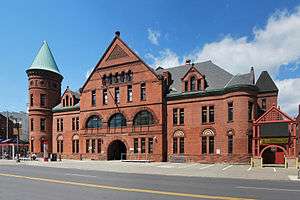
(116, 150)
(273, 154)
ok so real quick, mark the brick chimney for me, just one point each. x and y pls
(188, 61)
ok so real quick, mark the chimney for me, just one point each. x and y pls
(299, 109)
(117, 33)
(188, 61)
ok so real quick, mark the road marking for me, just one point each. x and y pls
(148, 191)
(227, 167)
(274, 169)
(293, 178)
(249, 168)
(270, 189)
(81, 175)
(207, 166)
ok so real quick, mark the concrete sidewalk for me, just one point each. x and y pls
(171, 169)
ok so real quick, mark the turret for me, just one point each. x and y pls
(44, 81)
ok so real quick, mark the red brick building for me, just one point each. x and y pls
(127, 110)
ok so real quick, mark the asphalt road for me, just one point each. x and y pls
(35, 183)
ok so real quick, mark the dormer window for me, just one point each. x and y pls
(193, 83)
(199, 86)
(186, 86)
(67, 100)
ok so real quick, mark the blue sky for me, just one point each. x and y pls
(234, 34)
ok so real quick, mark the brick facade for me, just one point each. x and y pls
(137, 90)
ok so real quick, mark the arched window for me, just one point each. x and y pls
(178, 142)
(75, 144)
(117, 120)
(193, 83)
(143, 118)
(94, 122)
(60, 144)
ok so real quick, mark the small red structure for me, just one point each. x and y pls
(274, 139)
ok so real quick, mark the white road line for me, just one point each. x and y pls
(249, 168)
(81, 175)
(270, 189)
(207, 166)
(274, 169)
(227, 167)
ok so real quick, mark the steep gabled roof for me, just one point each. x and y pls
(265, 83)
(106, 56)
(44, 60)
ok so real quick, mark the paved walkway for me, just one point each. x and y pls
(171, 169)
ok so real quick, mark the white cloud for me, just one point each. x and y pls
(153, 36)
(274, 45)
(166, 59)
(289, 98)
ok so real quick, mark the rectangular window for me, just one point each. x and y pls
(129, 93)
(250, 110)
(42, 146)
(31, 146)
(87, 146)
(150, 145)
(43, 124)
(175, 145)
(186, 86)
(204, 145)
(211, 144)
(181, 145)
(204, 114)
(93, 145)
(99, 142)
(58, 146)
(43, 100)
(57, 125)
(135, 145)
(211, 113)
(61, 146)
(77, 123)
(143, 91)
(143, 145)
(73, 124)
(73, 146)
(230, 111)
(105, 97)
(181, 116)
(230, 144)
(93, 98)
(31, 99)
(117, 95)
(175, 116)
(264, 104)
(31, 124)
(61, 124)
(77, 146)
(250, 143)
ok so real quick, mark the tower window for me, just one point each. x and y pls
(105, 97)
(211, 114)
(117, 95)
(31, 99)
(43, 124)
(230, 111)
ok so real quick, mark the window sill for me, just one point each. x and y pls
(230, 121)
(208, 123)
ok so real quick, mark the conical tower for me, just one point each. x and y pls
(44, 81)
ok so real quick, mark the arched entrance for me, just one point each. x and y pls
(116, 150)
(273, 154)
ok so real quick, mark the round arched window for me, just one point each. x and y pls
(94, 122)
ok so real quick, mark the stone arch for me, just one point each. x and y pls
(155, 119)
(75, 137)
(86, 118)
(178, 133)
(208, 132)
(60, 137)
(273, 145)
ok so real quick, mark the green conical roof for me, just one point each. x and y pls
(44, 60)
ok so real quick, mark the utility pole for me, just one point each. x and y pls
(7, 125)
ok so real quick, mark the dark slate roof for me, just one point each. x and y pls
(60, 108)
(240, 79)
(216, 77)
(75, 94)
(265, 83)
